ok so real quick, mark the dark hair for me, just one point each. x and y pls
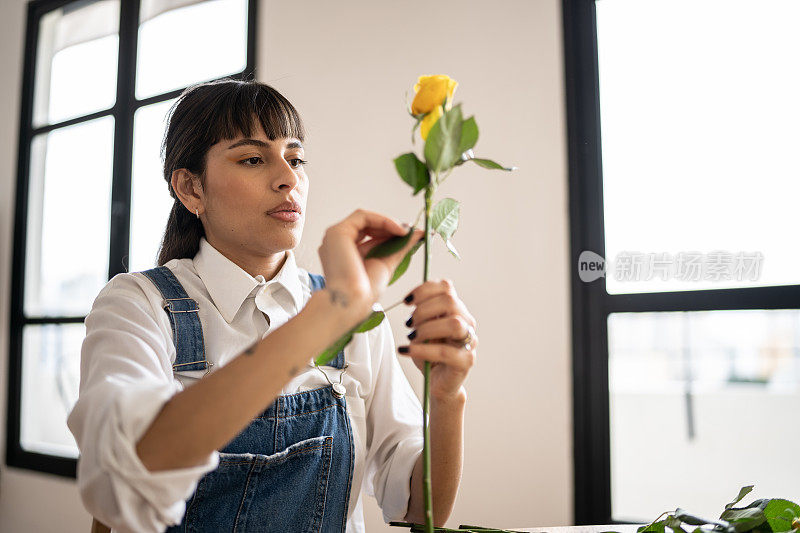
(203, 115)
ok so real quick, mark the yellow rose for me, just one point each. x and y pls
(431, 92)
(429, 120)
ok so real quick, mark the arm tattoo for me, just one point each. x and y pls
(339, 298)
(293, 372)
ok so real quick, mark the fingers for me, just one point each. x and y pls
(368, 229)
(431, 288)
(449, 328)
(362, 219)
(437, 298)
(454, 357)
(379, 237)
(375, 232)
(345, 245)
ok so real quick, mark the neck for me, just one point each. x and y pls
(254, 264)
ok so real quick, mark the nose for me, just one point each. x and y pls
(285, 178)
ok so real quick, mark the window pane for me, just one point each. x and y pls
(150, 199)
(190, 44)
(69, 211)
(701, 404)
(50, 379)
(699, 133)
(76, 66)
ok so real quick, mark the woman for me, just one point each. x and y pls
(200, 407)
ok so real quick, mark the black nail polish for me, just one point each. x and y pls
(408, 322)
(412, 335)
(408, 298)
(402, 349)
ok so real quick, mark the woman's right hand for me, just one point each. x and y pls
(345, 245)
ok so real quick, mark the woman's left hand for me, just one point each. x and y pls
(441, 322)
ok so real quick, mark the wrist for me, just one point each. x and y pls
(347, 308)
(327, 319)
(453, 400)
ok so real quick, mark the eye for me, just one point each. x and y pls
(296, 162)
(243, 161)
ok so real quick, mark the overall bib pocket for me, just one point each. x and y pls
(223, 502)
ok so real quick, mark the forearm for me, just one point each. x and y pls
(208, 414)
(447, 458)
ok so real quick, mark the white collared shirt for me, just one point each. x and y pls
(126, 377)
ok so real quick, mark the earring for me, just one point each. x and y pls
(196, 213)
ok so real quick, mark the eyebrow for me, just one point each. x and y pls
(261, 144)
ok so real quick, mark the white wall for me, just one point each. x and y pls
(346, 65)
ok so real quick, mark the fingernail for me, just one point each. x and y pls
(408, 322)
(402, 349)
(408, 298)
(412, 335)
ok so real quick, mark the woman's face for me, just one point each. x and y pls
(245, 179)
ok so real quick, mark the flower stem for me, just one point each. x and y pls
(387, 309)
(426, 449)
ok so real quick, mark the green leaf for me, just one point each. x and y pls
(696, 520)
(781, 513)
(403, 266)
(413, 171)
(744, 491)
(654, 522)
(441, 146)
(715, 529)
(444, 217)
(488, 163)
(333, 350)
(469, 135)
(375, 318)
(390, 246)
(655, 527)
(744, 519)
(674, 524)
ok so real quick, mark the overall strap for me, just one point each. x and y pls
(187, 331)
(317, 283)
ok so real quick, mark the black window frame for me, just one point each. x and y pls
(123, 111)
(591, 304)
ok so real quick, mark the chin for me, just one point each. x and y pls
(288, 240)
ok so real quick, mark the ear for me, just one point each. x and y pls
(188, 189)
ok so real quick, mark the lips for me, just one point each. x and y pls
(286, 216)
(286, 206)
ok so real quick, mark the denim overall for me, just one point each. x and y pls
(290, 470)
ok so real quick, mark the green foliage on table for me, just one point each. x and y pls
(761, 516)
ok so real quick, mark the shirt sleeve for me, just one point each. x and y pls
(125, 379)
(394, 431)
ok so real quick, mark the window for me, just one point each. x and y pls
(686, 299)
(91, 200)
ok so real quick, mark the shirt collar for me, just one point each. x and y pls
(229, 285)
